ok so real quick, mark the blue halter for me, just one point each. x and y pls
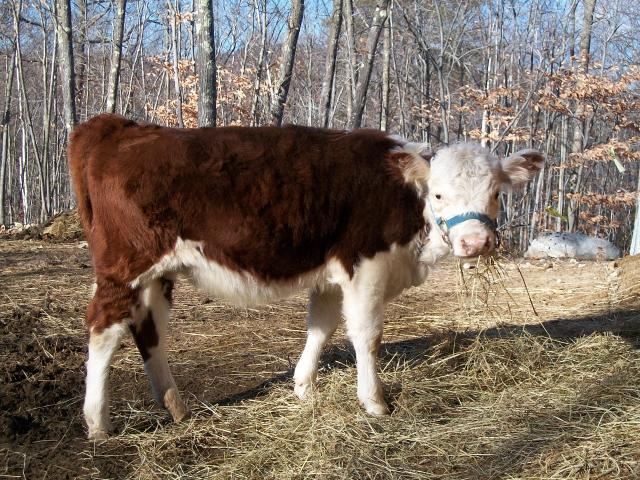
(463, 217)
(458, 219)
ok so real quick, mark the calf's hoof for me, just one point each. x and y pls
(302, 390)
(98, 434)
(376, 408)
(172, 402)
(98, 426)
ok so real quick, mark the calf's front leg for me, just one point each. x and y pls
(322, 321)
(363, 309)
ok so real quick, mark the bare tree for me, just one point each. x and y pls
(27, 120)
(262, 20)
(206, 64)
(581, 124)
(116, 55)
(348, 14)
(386, 74)
(67, 74)
(330, 62)
(286, 61)
(379, 17)
(174, 12)
(5, 121)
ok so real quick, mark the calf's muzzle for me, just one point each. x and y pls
(476, 244)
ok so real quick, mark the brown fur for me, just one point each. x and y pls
(145, 335)
(167, 289)
(275, 202)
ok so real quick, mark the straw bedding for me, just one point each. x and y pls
(528, 370)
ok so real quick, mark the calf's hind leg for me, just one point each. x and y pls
(110, 306)
(149, 328)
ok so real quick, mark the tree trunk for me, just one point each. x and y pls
(49, 85)
(261, 58)
(67, 75)
(81, 55)
(400, 91)
(116, 55)
(635, 238)
(330, 62)
(287, 60)
(6, 118)
(379, 17)
(578, 141)
(27, 121)
(386, 75)
(206, 64)
(561, 181)
(352, 55)
(174, 10)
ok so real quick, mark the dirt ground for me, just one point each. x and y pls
(224, 356)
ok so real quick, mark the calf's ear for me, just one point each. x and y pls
(522, 166)
(414, 161)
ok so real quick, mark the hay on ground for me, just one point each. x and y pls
(465, 408)
(625, 282)
(480, 387)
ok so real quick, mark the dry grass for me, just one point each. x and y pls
(624, 281)
(481, 386)
(516, 407)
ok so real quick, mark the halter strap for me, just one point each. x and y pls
(458, 219)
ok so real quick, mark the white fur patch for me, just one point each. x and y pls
(96, 400)
(398, 268)
(238, 288)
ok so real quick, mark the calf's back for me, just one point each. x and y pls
(272, 202)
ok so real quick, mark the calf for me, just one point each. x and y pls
(251, 215)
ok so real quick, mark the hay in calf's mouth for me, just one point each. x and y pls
(479, 282)
(482, 288)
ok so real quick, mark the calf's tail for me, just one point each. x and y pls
(83, 142)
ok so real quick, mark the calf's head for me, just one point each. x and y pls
(463, 193)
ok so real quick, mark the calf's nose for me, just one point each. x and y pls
(474, 245)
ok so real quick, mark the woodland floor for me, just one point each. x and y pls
(480, 387)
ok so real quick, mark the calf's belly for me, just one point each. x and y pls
(244, 289)
(236, 287)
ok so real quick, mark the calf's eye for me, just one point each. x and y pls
(438, 196)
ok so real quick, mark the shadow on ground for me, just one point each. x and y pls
(508, 456)
(624, 323)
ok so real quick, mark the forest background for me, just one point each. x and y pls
(560, 76)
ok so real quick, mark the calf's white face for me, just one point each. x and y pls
(467, 178)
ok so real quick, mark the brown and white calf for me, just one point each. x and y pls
(251, 215)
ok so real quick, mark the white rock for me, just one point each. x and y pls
(572, 245)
